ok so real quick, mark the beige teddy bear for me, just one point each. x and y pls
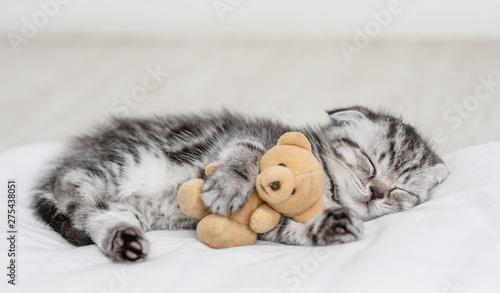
(290, 183)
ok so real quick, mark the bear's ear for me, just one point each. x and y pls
(210, 168)
(296, 139)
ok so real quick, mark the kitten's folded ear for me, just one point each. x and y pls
(348, 115)
(439, 172)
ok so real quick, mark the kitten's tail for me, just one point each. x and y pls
(48, 211)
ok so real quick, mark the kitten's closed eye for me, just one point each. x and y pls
(373, 169)
(402, 193)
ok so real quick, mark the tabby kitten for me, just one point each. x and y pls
(110, 187)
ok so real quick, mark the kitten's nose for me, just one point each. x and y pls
(376, 193)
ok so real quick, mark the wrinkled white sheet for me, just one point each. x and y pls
(449, 244)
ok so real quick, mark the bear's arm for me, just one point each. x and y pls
(264, 219)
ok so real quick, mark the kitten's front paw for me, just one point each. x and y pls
(227, 190)
(128, 246)
(335, 226)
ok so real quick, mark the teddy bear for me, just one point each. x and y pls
(290, 183)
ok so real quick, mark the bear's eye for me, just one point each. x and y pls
(293, 192)
(281, 164)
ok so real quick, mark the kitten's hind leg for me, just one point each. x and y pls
(116, 230)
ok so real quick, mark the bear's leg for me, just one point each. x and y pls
(219, 232)
(189, 199)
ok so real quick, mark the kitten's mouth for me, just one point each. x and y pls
(365, 204)
(362, 201)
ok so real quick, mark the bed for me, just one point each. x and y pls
(450, 244)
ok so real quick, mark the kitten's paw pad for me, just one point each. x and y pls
(225, 192)
(335, 226)
(128, 246)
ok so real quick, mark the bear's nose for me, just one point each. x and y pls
(275, 185)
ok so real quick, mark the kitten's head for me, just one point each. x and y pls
(380, 164)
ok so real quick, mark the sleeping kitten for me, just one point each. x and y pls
(111, 187)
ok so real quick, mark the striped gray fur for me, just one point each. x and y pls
(111, 186)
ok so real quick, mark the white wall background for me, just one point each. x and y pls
(446, 19)
(280, 59)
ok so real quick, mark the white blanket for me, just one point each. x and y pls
(450, 244)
